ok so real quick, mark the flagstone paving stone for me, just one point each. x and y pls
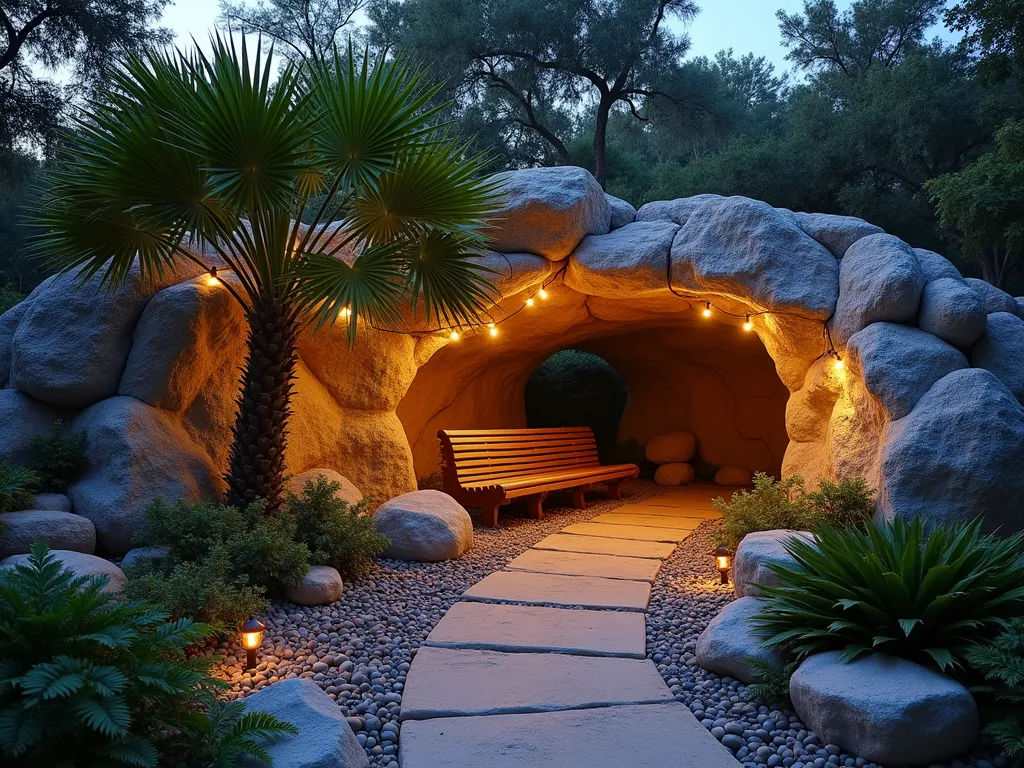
(538, 629)
(450, 682)
(637, 736)
(584, 564)
(643, 509)
(543, 588)
(656, 521)
(635, 532)
(598, 545)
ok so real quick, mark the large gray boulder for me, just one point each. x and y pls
(52, 501)
(547, 211)
(321, 585)
(742, 247)
(22, 418)
(324, 740)
(957, 455)
(73, 341)
(899, 364)
(879, 281)
(935, 266)
(136, 454)
(729, 642)
(951, 310)
(58, 530)
(1001, 351)
(887, 710)
(630, 260)
(347, 492)
(755, 553)
(677, 211)
(80, 564)
(622, 212)
(992, 298)
(424, 525)
(144, 556)
(8, 325)
(837, 233)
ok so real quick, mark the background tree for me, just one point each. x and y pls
(993, 31)
(303, 29)
(189, 149)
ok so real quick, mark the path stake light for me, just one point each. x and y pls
(723, 561)
(252, 639)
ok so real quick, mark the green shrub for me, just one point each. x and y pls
(58, 459)
(772, 682)
(1001, 663)
(18, 488)
(893, 588)
(337, 533)
(102, 680)
(844, 504)
(772, 504)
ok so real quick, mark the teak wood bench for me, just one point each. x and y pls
(487, 468)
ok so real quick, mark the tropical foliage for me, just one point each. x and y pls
(331, 191)
(58, 459)
(18, 487)
(895, 588)
(105, 681)
(1001, 663)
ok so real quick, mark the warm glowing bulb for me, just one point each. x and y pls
(494, 331)
(212, 279)
(707, 309)
(838, 364)
(542, 293)
(529, 302)
(454, 336)
(747, 325)
(723, 563)
(251, 639)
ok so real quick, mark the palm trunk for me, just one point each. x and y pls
(256, 467)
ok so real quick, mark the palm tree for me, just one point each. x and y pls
(281, 180)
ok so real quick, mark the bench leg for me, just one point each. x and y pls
(535, 505)
(491, 515)
(615, 489)
(579, 501)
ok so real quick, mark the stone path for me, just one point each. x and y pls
(544, 663)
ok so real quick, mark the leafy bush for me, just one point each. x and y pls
(337, 533)
(17, 487)
(58, 459)
(893, 588)
(1001, 663)
(108, 678)
(843, 504)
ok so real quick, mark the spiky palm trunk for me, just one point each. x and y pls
(256, 468)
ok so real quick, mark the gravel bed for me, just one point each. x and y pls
(687, 595)
(359, 649)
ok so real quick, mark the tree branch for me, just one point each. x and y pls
(18, 39)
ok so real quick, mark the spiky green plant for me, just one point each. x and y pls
(18, 487)
(332, 190)
(895, 588)
(1001, 663)
(58, 458)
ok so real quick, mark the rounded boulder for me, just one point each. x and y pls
(320, 586)
(729, 643)
(755, 555)
(58, 530)
(671, 447)
(80, 564)
(347, 492)
(676, 473)
(426, 526)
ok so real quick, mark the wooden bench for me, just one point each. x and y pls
(487, 468)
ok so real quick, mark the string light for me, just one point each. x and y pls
(494, 329)
(747, 325)
(838, 364)
(529, 302)
(707, 309)
(212, 279)
(454, 336)
(543, 294)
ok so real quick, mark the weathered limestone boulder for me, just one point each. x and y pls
(324, 740)
(622, 212)
(837, 233)
(512, 273)
(144, 556)
(52, 501)
(884, 709)
(629, 260)
(899, 364)
(1001, 351)
(58, 530)
(677, 211)
(136, 454)
(934, 266)
(73, 341)
(8, 325)
(745, 248)
(427, 526)
(879, 281)
(547, 211)
(951, 310)
(809, 408)
(729, 642)
(321, 585)
(182, 337)
(22, 418)
(348, 491)
(671, 447)
(80, 564)
(756, 553)
(957, 455)
(732, 475)
(676, 473)
(993, 299)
